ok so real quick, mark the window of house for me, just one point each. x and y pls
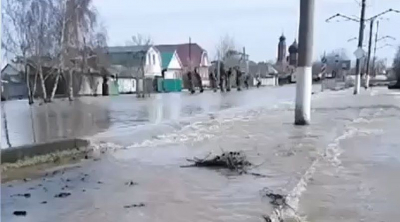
(149, 59)
(154, 59)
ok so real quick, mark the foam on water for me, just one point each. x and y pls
(189, 129)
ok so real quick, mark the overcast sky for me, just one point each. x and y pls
(255, 24)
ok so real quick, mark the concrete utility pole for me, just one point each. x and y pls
(360, 42)
(361, 36)
(304, 72)
(373, 68)
(376, 41)
(371, 27)
(245, 61)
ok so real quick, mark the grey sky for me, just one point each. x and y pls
(255, 24)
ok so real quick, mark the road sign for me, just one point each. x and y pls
(360, 53)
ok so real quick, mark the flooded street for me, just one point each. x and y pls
(343, 167)
(116, 115)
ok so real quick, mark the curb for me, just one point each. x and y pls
(14, 154)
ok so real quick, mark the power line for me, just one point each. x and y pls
(362, 21)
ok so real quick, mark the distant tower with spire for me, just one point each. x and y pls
(281, 50)
(293, 51)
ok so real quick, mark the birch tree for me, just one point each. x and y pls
(79, 20)
(40, 38)
(37, 29)
(15, 37)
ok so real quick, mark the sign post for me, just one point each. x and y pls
(359, 53)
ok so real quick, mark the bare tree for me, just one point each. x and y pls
(140, 39)
(79, 20)
(379, 66)
(145, 41)
(396, 66)
(224, 46)
(15, 38)
(96, 49)
(40, 38)
(37, 29)
(58, 52)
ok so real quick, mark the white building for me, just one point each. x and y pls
(138, 59)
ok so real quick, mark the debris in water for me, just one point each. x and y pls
(83, 190)
(277, 200)
(267, 218)
(20, 213)
(131, 183)
(31, 188)
(10, 185)
(135, 205)
(67, 180)
(235, 161)
(257, 174)
(26, 195)
(99, 182)
(230, 160)
(43, 202)
(26, 179)
(86, 157)
(62, 195)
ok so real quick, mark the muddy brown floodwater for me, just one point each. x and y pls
(343, 167)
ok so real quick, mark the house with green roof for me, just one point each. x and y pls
(171, 65)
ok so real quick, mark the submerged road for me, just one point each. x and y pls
(86, 116)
